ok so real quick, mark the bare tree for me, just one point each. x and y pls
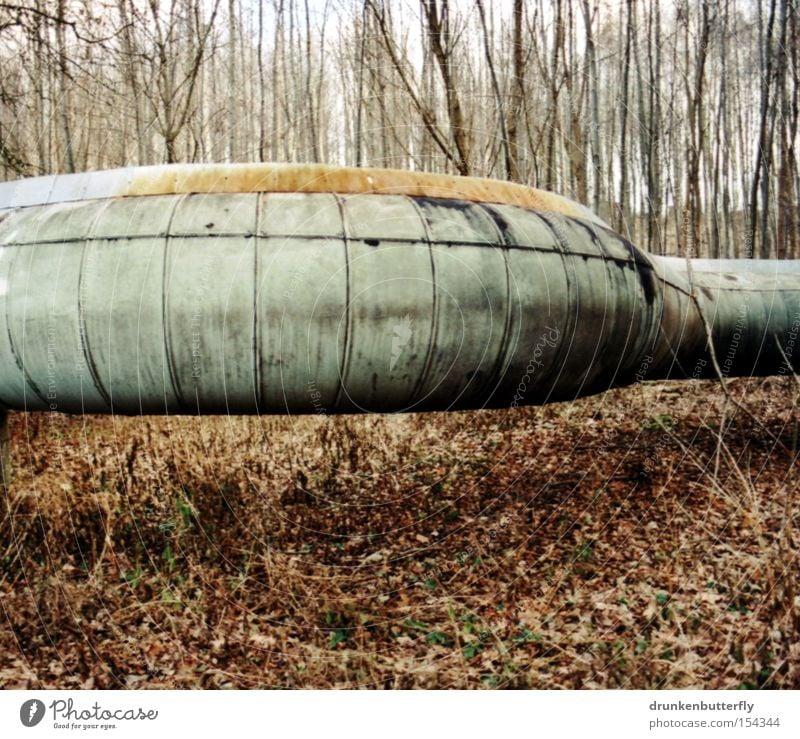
(676, 121)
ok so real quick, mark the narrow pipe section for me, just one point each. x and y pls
(167, 300)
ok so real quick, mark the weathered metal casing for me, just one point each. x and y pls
(239, 290)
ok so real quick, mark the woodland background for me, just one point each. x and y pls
(644, 538)
(675, 120)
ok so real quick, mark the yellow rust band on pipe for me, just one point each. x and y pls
(319, 178)
(180, 179)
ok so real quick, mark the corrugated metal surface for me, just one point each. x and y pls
(275, 302)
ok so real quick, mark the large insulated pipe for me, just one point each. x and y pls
(312, 289)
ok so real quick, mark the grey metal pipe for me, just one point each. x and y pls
(280, 289)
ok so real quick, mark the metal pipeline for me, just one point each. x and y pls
(311, 289)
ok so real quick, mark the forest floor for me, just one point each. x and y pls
(644, 538)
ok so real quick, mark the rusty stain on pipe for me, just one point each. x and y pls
(181, 179)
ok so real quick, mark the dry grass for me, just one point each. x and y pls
(620, 541)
